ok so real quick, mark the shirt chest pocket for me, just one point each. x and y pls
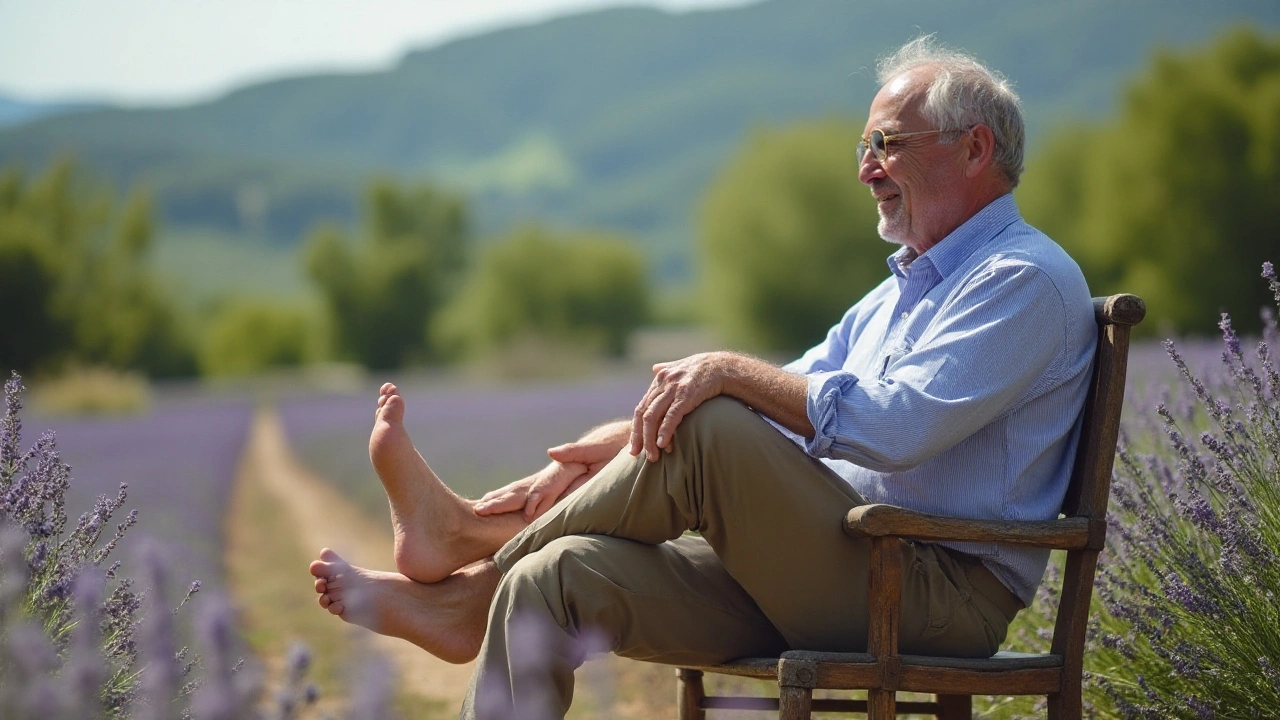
(897, 350)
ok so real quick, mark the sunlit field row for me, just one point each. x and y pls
(180, 458)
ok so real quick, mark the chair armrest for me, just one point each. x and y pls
(1072, 533)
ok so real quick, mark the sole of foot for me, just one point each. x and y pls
(447, 618)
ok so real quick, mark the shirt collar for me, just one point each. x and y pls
(959, 244)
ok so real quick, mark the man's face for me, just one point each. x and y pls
(918, 185)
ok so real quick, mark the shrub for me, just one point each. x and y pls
(76, 282)
(74, 640)
(1190, 623)
(585, 292)
(246, 338)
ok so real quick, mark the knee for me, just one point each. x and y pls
(720, 419)
(540, 577)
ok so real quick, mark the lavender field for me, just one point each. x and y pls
(178, 460)
(475, 436)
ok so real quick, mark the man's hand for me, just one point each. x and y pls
(536, 493)
(572, 465)
(678, 387)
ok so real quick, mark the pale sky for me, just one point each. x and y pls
(140, 52)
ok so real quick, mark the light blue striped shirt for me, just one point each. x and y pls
(955, 387)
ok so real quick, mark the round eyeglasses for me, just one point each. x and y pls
(878, 142)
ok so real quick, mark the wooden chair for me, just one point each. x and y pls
(882, 671)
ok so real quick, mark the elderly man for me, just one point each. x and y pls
(954, 387)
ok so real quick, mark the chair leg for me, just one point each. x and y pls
(1066, 705)
(882, 705)
(689, 694)
(794, 703)
(955, 707)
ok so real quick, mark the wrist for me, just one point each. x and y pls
(728, 373)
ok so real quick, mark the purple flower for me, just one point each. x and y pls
(1229, 337)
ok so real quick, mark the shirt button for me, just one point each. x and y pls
(904, 316)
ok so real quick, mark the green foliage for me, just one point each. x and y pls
(1174, 200)
(789, 238)
(75, 283)
(588, 291)
(612, 119)
(249, 337)
(381, 295)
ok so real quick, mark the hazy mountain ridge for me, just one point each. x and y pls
(614, 119)
(14, 112)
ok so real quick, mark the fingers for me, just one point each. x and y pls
(650, 414)
(550, 487)
(670, 421)
(586, 452)
(504, 502)
(537, 505)
(638, 417)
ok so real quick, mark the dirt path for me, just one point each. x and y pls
(322, 517)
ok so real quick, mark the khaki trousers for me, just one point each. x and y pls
(611, 568)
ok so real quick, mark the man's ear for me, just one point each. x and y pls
(980, 146)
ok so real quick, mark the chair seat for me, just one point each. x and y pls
(1005, 672)
(767, 668)
(1002, 661)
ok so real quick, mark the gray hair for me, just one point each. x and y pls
(964, 93)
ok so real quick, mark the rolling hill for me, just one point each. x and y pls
(613, 119)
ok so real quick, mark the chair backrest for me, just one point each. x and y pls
(1090, 485)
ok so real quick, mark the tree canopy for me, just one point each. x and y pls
(584, 290)
(789, 237)
(382, 293)
(74, 280)
(1175, 198)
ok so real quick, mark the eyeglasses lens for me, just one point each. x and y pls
(877, 146)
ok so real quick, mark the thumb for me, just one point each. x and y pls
(568, 452)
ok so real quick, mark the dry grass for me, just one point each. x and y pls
(91, 391)
(267, 571)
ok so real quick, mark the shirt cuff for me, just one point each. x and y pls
(825, 395)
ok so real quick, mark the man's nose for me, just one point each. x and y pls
(870, 169)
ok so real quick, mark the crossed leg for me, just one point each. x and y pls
(436, 531)
(440, 597)
(770, 518)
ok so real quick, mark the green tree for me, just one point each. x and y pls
(75, 280)
(381, 295)
(789, 237)
(1175, 198)
(248, 337)
(585, 290)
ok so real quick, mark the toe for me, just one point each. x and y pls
(336, 607)
(330, 556)
(393, 409)
(322, 586)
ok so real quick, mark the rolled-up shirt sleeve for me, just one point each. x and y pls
(970, 367)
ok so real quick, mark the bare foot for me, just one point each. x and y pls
(436, 532)
(447, 619)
